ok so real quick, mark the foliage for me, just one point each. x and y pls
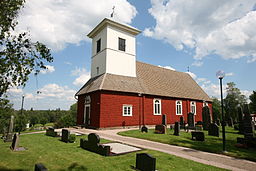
(252, 98)
(45, 149)
(216, 109)
(20, 122)
(72, 138)
(65, 121)
(233, 99)
(19, 56)
(6, 111)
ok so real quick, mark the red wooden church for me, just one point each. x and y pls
(125, 92)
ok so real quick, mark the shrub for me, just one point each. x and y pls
(72, 138)
(236, 126)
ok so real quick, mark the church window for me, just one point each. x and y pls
(121, 44)
(157, 107)
(98, 45)
(178, 107)
(127, 110)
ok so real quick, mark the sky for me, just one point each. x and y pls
(200, 37)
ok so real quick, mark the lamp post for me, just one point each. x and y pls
(221, 75)
(22, 102)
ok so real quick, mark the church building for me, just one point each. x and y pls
(125, 92)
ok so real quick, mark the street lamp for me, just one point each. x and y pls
(220, 75)
(22, 102)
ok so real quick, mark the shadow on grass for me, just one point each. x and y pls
(5, 169)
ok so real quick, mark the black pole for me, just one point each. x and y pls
(22, 102)
(223, 120)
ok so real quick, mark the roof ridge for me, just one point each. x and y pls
(102, 82)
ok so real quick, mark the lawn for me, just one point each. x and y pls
(211, 143)
(57, 155)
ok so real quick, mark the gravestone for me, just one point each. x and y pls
(182, 125)
(177, 129)
(93, 145)
(240, 120)
(248, 125)
(218, 122)
(164, 120)
(160, 129)
(198, 136)
(145, 162)
(40, 167)
(144, 129)
(206, 117)
(9, 134)
(65, 135)
(15, 142)
(191, 121)
(214, 130)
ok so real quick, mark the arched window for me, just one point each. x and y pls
(157, 107)
(178, 107)
(193, 107)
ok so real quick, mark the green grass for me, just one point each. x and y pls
(57, 155)
(211, 143)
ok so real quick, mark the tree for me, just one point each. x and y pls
(19, 56)
(6, 111)
(252, 98)
(233, 99)
(216, 109)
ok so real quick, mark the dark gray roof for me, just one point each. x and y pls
(151, 80)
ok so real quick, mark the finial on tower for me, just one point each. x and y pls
(188, 68)
(112, 14)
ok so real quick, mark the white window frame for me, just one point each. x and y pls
(205, 104)
(127, 108)
(193, 104)
(159, 112)
(177, 101)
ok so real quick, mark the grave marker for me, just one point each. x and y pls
(206, 117)
(40, 167)
(160, 129)
(177, 129)
(144, 129)
(164, 120)
(214, 130)
(191, 121)
(145, 162)
(15, 143)
(9, 134)
(65, 135)
(182, 125)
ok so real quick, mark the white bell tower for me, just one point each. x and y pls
(113, 49)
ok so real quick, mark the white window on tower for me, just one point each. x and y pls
(127, 110)
(193, 107)
(157, 107)
(178, 107)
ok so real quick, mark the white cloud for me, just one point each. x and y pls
(229, 74)
(83, 76)
(167, 67)
(58, 23)
(48, 69)
(225, 28)
(197, 63)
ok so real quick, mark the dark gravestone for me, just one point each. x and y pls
(248, 125)
(214, 130)
(15, 142)
(198, 136)
(191, 121)
(218, 122)
(9, 134)
(144, 129)
(160, 129)
(206, 117)
(40, 167)
(240, 120)
(145, 162)
(177, 129)
(65, 135)
(182, 124)
(164, 120)
(93, 145)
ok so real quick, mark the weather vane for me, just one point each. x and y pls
(112, 14)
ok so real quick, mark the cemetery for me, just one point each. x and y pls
(42, 151)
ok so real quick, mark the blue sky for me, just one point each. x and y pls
(205, 35)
